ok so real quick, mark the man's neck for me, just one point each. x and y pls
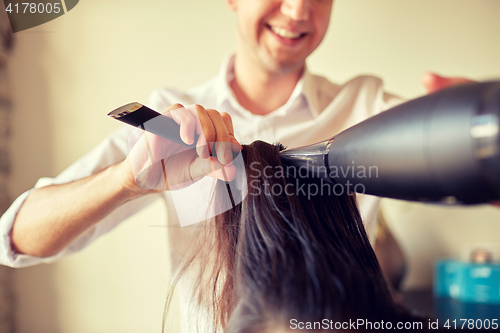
(260, 91)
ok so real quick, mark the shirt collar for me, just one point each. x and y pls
(305, 88)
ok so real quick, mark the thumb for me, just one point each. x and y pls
(213, 168)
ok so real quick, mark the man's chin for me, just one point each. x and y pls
(284, 66)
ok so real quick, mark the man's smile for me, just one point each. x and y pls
(282, 32)
(285, 33)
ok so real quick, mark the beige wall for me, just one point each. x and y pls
(68, 73)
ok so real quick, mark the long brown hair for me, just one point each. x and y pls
(284, 255)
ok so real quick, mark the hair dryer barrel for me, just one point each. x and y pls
(443, 146)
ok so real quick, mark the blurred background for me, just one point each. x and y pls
(65, 75)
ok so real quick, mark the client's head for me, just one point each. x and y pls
(285, 257)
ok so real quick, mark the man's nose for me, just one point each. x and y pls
(296, 9)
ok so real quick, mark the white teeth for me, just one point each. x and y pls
(285, 33)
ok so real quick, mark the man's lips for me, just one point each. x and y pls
(285, 33)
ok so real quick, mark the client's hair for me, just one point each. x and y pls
(283, 255)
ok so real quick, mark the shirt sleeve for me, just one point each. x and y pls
(111, 150)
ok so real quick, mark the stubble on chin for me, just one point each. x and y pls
(277, 66)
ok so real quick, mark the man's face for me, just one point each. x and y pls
(280, 34)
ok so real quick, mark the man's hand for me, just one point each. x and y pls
(156, 164)
(52, 217)
(433, 82)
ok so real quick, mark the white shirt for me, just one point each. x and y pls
(316, 110)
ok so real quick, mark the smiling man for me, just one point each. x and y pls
(264, 92)
(274, 39)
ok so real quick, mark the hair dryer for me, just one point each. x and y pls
(442, 147)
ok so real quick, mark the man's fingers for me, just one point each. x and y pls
(171, 108)
(433, 82)
(223, 140)
(207, 135)
(226, 118)
(215, 130)
(236, 147)
(187, 124)
(193, 109)
(183, 117)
